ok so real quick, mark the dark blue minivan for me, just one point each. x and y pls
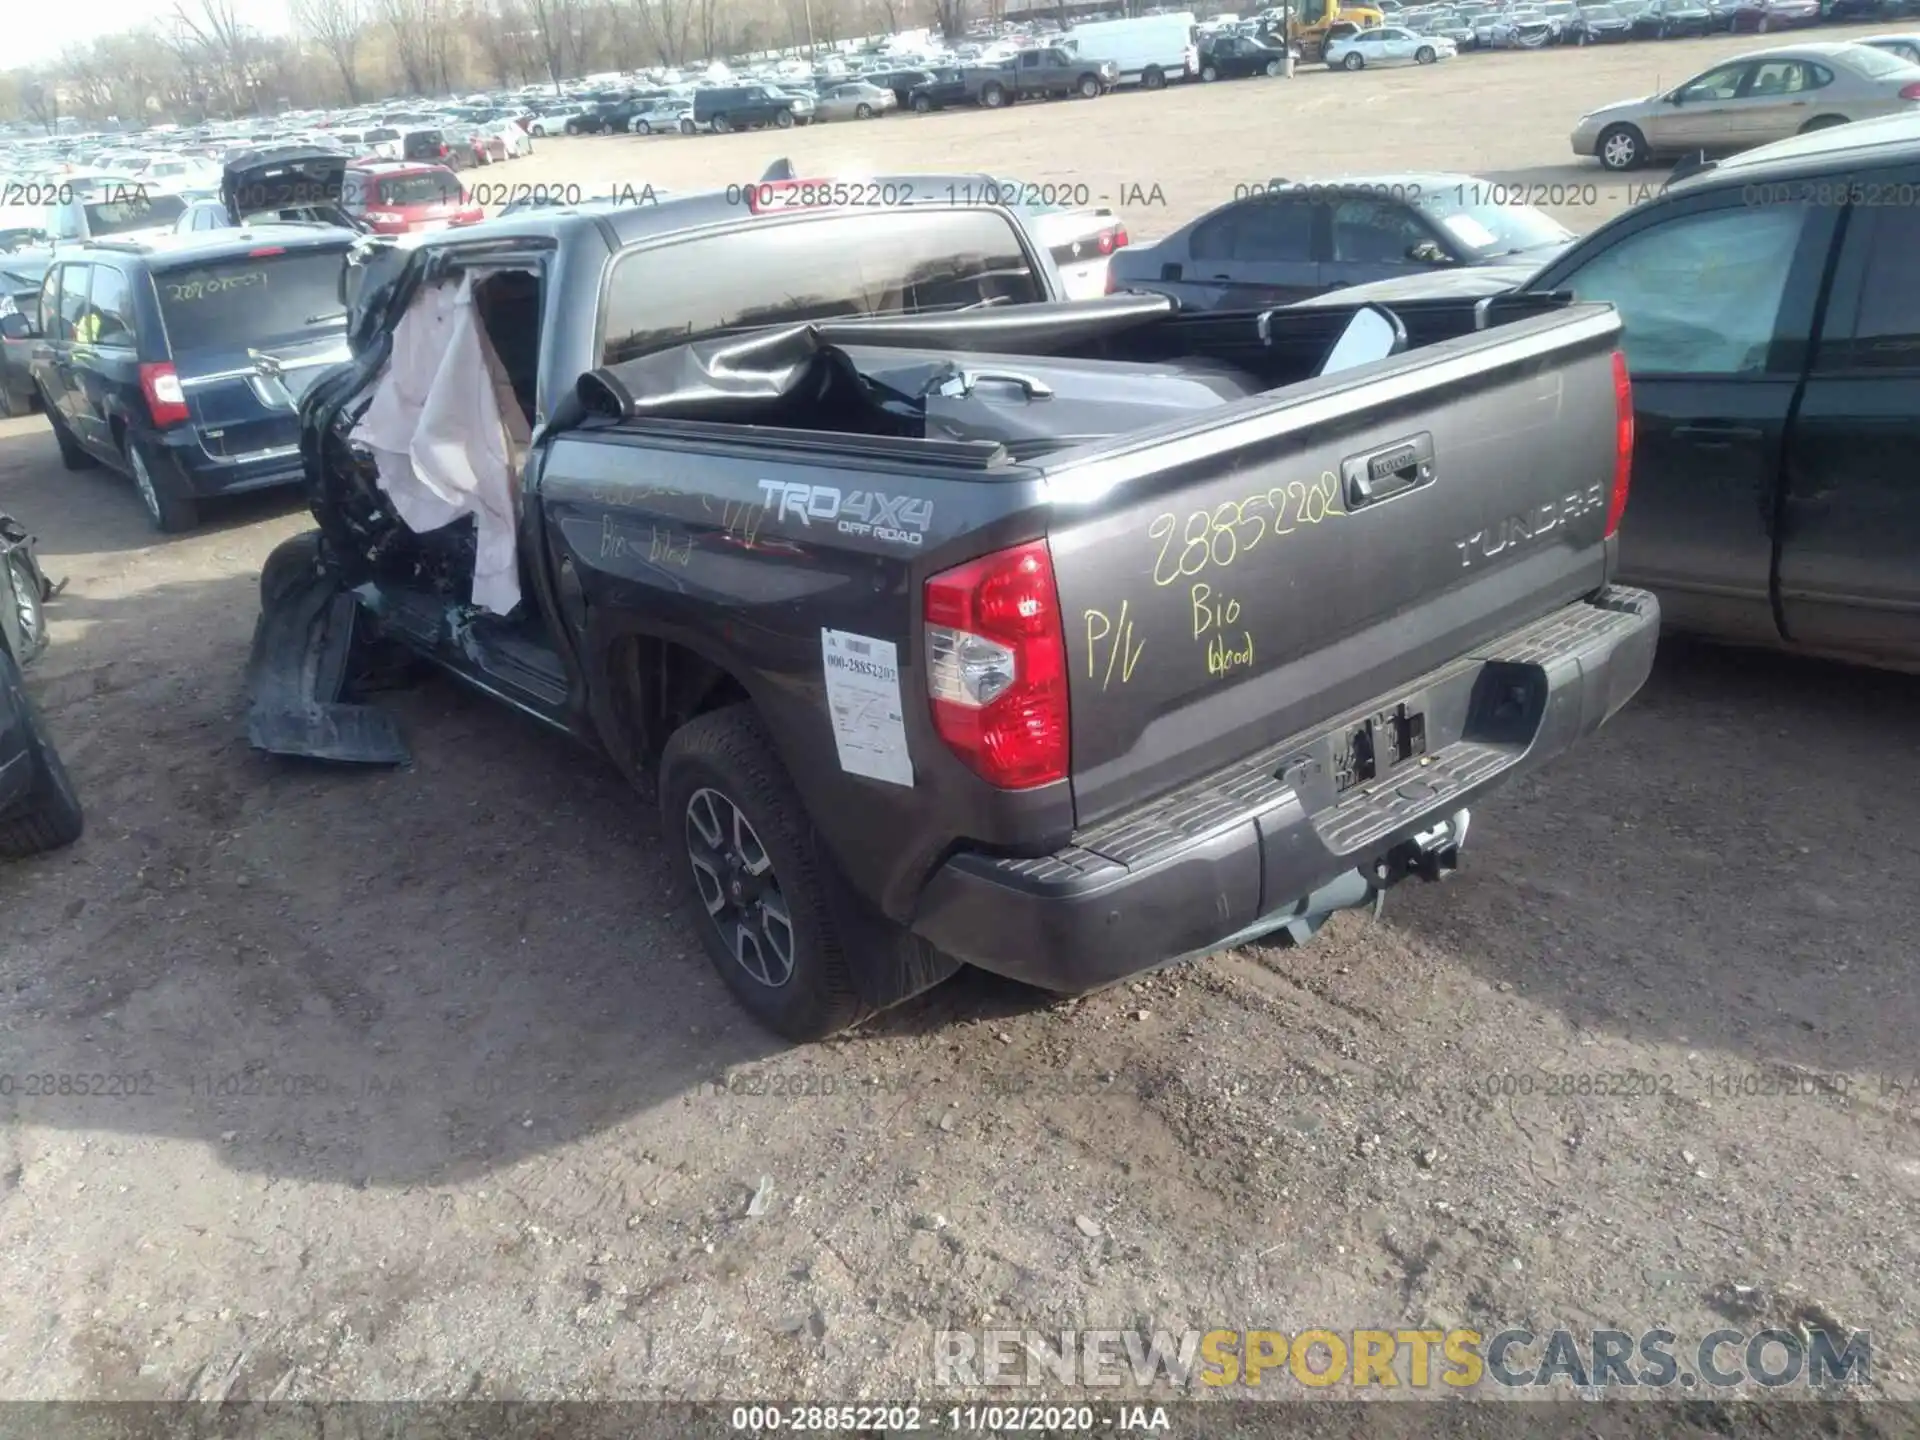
(181, 360)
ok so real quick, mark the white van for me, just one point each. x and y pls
(1150, 50)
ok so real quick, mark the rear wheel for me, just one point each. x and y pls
(1354, 61)
(863, 111)
(641, 127)
(753, 876)
(993, 97)
(721, 125)
(1273, 67)
(921, 104)
(686, 127)
(1153, 78)
(169, 506)
(50, 815)
(1425, 55)
(73, 454)
(573, 127)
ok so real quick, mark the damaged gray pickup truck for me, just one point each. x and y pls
(1065, 639)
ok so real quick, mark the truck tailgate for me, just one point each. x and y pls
(1235, 579)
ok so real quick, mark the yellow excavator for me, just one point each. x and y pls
(1309, 30)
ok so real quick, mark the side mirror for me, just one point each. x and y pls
(1675, 98)
(17, 327)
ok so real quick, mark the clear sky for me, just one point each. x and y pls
(30, 45)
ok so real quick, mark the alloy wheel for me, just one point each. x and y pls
(738, 887)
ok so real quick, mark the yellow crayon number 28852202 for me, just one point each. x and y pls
(1219, 536)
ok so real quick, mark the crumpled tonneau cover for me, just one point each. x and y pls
(738, 377)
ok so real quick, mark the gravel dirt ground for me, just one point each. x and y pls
(428, 1092)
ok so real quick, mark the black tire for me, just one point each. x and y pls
(1762, 26)
(289, 565)
(921, 105)
(50, 815)
(170, 507)
(1209, 73)
(7, 408)
(1582, 38)
(573, 127)
(1272, 69)
(1425, 55)
(1822, 122)
(1153, 78)
(687, 127)
(722, 765)
(641, 127)
(993, 97)
(73, 455)
(721, 125)
(863, 111)
(784, 120)
(1621, 147)
(1354, 61)
(1088, 87)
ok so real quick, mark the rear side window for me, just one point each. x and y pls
(73, 300)
(111, 300)
(836, 267)
(236, 302)
(1265, 230)
(1886, 320)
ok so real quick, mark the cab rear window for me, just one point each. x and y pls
(133, 212)
(842, 266)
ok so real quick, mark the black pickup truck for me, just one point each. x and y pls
(1047, 73)
(1066, 639)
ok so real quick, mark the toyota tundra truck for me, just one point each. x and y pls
(948, 622)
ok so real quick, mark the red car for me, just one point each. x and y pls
(398, 197)
(1764, 16)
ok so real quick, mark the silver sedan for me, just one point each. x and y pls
(855, 100)
(1750, 100)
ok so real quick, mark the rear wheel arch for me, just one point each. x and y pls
(648, 687)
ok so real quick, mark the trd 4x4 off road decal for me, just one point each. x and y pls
(901, 519)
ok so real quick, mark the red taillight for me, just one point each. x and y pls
(997, 666)
(1910, 92)
(1622, 441)
(166, 401)
(445, 150)
(266, 250)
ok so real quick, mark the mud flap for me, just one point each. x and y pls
(296, 674)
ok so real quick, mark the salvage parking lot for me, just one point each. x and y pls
(418, 1086)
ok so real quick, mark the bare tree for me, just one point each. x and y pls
(337, 27)
(40, 100)
(557, 30)
(667, 25)
(499, 31)
(951, 18)
(213, 29)
(412, 22)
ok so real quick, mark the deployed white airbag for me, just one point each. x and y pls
(437, 436)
